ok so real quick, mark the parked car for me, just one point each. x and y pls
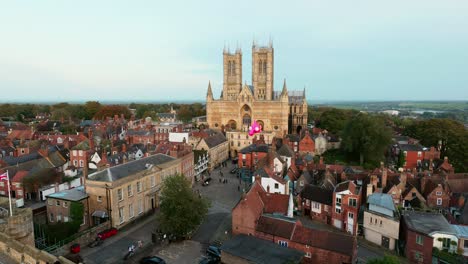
(75, 248)
(214, 252)
(107, 233)
(208, 260)
(206, 181)
(152, 260)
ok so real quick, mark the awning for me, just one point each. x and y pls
(100, 214)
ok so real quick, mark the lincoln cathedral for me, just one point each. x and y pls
(279, 112)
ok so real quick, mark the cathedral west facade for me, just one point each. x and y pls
(279, 112)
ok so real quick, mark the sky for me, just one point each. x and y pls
(66, 50)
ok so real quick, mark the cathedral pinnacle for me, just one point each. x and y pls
(285, 89)
(209, 93)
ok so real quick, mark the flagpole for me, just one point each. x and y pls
(9, 193)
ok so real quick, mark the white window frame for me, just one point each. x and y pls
(419, 240)
(283, 243)
(140, 206)
(352, 199)
(121, 215)
(119, 194)
(153, 181)
(350, 215)
(99, 198)
(338, 210)
(65, 219)
(131, 212)
(307, 255)
(51, 217)
(57, 202)
(138, 186)
(129, 190)
(438, 193)
(65, 204)
(439, 201)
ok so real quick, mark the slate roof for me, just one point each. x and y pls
(255, 148)
(124, 170)
(382, 199)
(427, 223)
(317, 194)
(410, 147)
(260, 251)
(285, 150)
(76, 194)
(215, 140)
(461, 231)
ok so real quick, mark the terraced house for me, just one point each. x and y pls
(122, 193)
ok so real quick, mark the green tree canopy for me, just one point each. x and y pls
(334, 120)
(366, 136)
(385, 260)
(181, 209)
(91, 108)
(452, 135)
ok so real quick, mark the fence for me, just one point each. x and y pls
(83, 237)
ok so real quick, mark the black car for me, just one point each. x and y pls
(214, 252)
(152, 260)
(208, 260)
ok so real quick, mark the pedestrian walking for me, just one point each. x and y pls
(238, 188)
(219, 180)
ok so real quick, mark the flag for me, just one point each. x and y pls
(3, 176)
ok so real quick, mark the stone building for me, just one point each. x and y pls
(240, 104)
(125, 192)
(19, 226)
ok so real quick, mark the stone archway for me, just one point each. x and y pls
(246, 114)
(232, 124)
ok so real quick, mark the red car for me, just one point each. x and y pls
(107, 233)
(75, 248)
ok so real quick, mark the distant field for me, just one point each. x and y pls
(379, 106)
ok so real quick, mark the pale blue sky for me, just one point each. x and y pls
(168, 50)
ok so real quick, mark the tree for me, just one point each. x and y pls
(111, 111)
(91, 108)
(452, 136)
(401, 159)
(385, 260)
(366, 136)
(334, 120)
(181, 209)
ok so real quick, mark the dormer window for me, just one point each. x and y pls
(438, 193)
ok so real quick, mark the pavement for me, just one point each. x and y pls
(6, 260)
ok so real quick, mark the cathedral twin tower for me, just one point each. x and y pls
(262, 73)
(240, 104)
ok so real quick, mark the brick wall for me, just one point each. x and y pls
(412, 247)
(431, 199)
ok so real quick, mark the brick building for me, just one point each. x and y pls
(424, 231)
(59, 205)
(262, 215)
(346, 203)
(316, 202)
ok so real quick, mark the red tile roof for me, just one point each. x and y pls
(274, 226)
(19, 176)
(274, 202)
(331, 241)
